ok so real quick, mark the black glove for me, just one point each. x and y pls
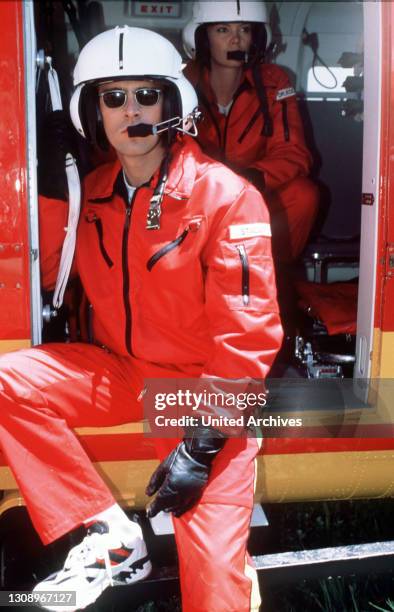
(254, 176)
(181, 478)
(55, 140)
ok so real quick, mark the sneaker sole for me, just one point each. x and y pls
(138, 571)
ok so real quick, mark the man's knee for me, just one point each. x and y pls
(24, 373)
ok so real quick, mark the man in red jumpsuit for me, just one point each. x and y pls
(174, 255)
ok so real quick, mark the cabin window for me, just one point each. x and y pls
(322, 79)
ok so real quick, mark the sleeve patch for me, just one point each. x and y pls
(249, 230)
(285, 93)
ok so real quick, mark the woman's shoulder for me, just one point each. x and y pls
(274, 76)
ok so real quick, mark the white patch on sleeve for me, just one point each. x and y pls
(249, 230)
(285, 93)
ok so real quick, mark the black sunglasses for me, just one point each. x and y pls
(144, 96)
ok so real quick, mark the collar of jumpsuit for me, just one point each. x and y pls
(181, 176)
(130, 188)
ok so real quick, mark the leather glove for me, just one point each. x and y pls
(181, 478)
(56, 139)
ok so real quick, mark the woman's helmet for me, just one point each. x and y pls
(194, 36)
(126, 53)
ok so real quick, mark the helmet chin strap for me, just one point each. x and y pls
(239, 56)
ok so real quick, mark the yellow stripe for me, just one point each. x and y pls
(281, 478)
(126, 428)
(376, 352)
(330, 475)
(387, 355)
(6, 346)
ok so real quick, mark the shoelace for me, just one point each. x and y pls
(92, 543)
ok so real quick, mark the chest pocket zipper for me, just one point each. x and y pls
(166, 249)
(99, 227)
(245, 282)
(250, 125)
(285, 120)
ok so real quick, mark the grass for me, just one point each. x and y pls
(323, 524)
(317, 525)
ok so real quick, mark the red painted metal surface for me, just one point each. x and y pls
(137, 447)
(385, 278)
(14, 249)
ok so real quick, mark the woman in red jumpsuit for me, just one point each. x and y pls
(174, 255)
(252, 124)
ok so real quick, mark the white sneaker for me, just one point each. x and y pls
(102, 559)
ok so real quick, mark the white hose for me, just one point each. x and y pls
(74, 191)
(54, 89)
(74, 194)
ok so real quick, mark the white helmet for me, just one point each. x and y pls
(221, 12)
(120, 54)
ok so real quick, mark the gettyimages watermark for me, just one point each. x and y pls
(216, 409)
(277, 408)
(231, 407)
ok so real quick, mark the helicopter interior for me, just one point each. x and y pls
(321, 47)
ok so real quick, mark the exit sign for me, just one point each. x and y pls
(157, 9)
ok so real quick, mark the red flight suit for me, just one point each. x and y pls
(281, 161)
(162, 307)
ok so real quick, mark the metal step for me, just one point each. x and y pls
(375, 558)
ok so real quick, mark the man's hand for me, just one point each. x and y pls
(181, 478)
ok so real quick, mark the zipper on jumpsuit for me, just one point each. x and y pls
(239, 91)
(166, 249)
(126, 273)
(205, 102)
(285, 120)
(245, 274)
(250, 125)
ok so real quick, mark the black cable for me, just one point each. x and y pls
(316, 56)
(312, 41)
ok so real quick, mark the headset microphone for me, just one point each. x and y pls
(147, 129)
(239, 56)
(141, 130)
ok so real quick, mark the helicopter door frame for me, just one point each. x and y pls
(30, 51)
(370, 186)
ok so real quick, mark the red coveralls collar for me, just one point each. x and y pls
(181, 175)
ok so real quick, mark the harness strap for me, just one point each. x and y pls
(74, 192)
(262, 94)
(154, 212)
(285, 120)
